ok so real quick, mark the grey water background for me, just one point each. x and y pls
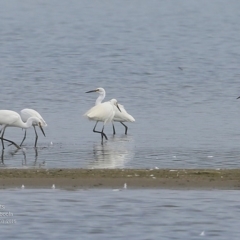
(132, 214)
(173, 65)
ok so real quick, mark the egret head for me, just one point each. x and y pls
(98, 90)
(114, 102)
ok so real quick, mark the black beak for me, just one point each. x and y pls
(91, 91)
(238, 97)
(118, 108)
(41, 129)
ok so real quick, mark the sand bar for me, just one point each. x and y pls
(116, 178)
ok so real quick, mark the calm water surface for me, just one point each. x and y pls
(132, 214)
(173, 65)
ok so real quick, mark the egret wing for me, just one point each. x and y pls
(102, 112)
(27, 113)
(122, 116)
(8, 117)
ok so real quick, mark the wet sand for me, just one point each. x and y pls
(116, 178)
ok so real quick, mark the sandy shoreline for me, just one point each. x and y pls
(116, 178)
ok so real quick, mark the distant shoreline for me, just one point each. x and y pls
(116, 178)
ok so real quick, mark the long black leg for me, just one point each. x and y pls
(126, 128)
(10, 142)
(36, 137)
(3, 130)
(4, 139)
(114, 132)
(24, 137)
(2, 143)
(102, 134)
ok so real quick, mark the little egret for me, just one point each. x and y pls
(121, 117)
(103, 112)
(10, 118)
(25, 115)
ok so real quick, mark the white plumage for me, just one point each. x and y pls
(10, 118)
(102, 112)
(121, 117)
(26, 113)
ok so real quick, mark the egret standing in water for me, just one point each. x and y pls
(103, 112)
(25, 115)
(12, 119)
(121, 117)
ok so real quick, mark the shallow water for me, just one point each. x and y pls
(174, 66)
(111, 214)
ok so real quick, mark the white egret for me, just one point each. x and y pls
(103, 112)
(10, 118)
(25, 115)
(121, 117)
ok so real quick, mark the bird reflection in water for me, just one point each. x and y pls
(24, 161)
(115, 154)
(25, 158)
(12, 153)
(2, 160)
